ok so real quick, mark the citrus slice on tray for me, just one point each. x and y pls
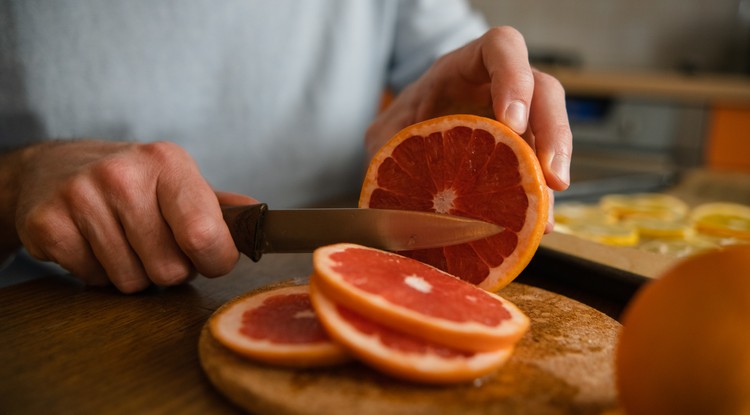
(604, 233)
(659, 228)
(467, 166)
(644, 205)
(721, 219)
(277, 326)
(573, 212)
(400, 354)
(416, 298)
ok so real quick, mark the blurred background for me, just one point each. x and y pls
(655, 88)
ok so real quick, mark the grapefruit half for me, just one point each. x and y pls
(468, 166)
(413, 297)
(403, 355)
(277, 326)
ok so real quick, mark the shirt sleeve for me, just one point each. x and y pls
(426, 30)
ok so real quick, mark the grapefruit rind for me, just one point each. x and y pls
(465, 335)
(532, 181)
(427, 367)
(225, 325)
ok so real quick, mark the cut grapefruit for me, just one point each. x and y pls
(468, 166)
(277, 326)
(416, 298)
(403, 355)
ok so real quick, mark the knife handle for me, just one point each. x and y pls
(246, 226)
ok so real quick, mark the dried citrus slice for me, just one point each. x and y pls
(729, 220)
(416, 298)
(659, 228)
(678, 247)
(467, 166)
(403, 355)
(605, 233)
(572, 212)
(277, 326)
(644, 205)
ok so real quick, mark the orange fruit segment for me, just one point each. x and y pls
(468, 166)
(413, 297)
(277, 326)
(403, 355)
(685, 344)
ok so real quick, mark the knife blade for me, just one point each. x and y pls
(257, 230)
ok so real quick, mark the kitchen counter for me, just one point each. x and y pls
(721, 89)
(67, 348)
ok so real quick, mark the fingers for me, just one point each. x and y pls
(550, 225)
(500, 55)
(522, 95)
(137, 214)
(191, 208)
(50, 236)
(553, 139)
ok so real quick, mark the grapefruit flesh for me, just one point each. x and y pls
(416, 298)
(277, 326)
(403, 355)
(467, 166)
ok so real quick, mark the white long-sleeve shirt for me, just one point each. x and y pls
(271, 98)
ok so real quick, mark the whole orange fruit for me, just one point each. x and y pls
(685, 343)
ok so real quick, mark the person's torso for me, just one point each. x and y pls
(270, 98)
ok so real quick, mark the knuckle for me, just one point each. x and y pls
(41, 232)
(118, 174)
(200, 236)
(163, 152)
(78, 192)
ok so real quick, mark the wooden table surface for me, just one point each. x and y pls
(66, 348)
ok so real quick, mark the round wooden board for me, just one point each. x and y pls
(563, 365)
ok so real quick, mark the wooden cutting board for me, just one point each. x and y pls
(563, 365)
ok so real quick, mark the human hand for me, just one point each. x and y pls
(492, 77)
(130, 213)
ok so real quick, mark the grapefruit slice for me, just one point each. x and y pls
(413, 297)
(468, 166)
(402, 355)
(277, 326)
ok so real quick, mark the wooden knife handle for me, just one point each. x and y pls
(246, 226)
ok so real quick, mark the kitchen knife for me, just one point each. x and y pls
(257, 230)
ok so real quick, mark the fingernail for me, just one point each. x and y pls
(515, 116)
(560, 166)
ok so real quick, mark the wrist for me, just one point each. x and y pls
(12, 164)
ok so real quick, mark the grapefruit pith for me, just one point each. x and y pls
(468, 166)
(277, 326)
(403, 355)
(416, 298)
